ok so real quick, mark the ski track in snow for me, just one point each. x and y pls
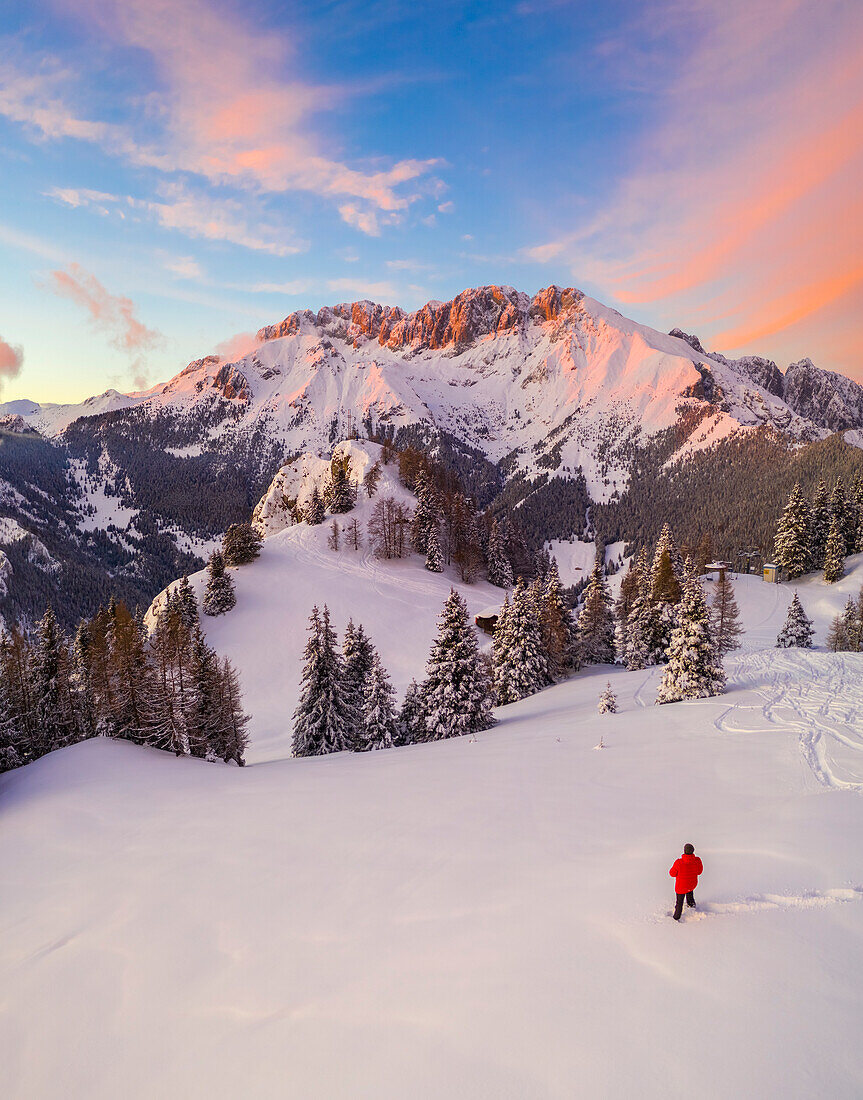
(823, 705)
(762, 903)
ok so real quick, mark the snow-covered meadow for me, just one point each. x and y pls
(483, 917)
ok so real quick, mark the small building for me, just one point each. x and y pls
(772, 573)
(718, 567)
(487, 620)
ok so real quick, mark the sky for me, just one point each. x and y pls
(174, 174)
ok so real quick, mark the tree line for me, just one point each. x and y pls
(818, 533)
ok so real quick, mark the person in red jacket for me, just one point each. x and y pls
(685, 873)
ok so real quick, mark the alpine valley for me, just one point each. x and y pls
(553, 407)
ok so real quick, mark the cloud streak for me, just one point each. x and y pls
(745, 192)
(11, 361)
(112, 314)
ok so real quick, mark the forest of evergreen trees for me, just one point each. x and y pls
(818, 534)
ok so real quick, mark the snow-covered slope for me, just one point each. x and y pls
(51, 419)
(474, 918)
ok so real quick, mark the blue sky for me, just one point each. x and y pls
(176, 174)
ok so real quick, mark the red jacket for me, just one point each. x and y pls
(685, 872)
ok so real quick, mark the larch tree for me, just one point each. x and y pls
(725, 616)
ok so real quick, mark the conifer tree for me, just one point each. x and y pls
(241, 544)
(819, 526)
(411, 727)
(607, 701)
(82, 681)
(11, 738)
(434, 554)
(456, 689)
(629, 587)
(596, 621)
(203, 712)
(845, 629)
(333, 540)
(219, 596)
(379, 717)
(725, 616)
(55, 719)
(666, 573)
(339, 490)
(232, 739)
(315, 509)
(358, 655)
(694, 668)
(325, 719)
(426, 514)
(129, 672)
(834, 554)
(797, 630)
(793, 537)
(843, 512)
(518, 667)
(170, 682)
(557, 626)
(499, 567)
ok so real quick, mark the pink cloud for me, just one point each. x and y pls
(112, 314)
(743, 207)
(229, 109)
(11, 361)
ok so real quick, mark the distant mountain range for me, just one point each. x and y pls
(554, 405)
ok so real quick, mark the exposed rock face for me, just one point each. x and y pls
(474, 313)
(15, 423)
(829, 399)
(232, 383)
(688, 338)
(763, 372)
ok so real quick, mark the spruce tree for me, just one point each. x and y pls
(426, 514)
(607, 701)
(725, 616)
(793, 538)
(188, 603)
(434, 554)
(629, 587)
(241, 544)
(219, 596)
(379, 717)
(339, 491)
(596, 621)
(456, 689)
(819, 526)
(231, 740)
(315, 509)
(666, 574)
(557, 626)
(411, 727)
(845, 629)
(55, 720)
(694, 669)
(518, 666)
(834, 554)
(797, 630)
(358, 655)
(843, 512)
(203, 712)
(325, 719)
(499, 567)
(11, 739)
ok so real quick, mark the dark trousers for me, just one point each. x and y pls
(678, 909)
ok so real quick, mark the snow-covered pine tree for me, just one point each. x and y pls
(725, 616)
(358, 656)
(81, 680)
(426, 514)
(845, 629)
(607, 701)
(518, 665)
(793, 539)
(188, 602)
(857, 496)
(232, 739)
(819, 526)
(842, 510)
(411, 728)
(340, 489)
(219, 596)
(203, 711)
(11, 738)
(241, 544)
(834, 554)
(694, 669)
(16, 661)
(434, 554)
(169, 686)
(499, 567)
(50, 671)
(666, 574)
(325, 719)
(315, 510)
(557, 626)
(629, 587)
(456, 689)
(379, 716)
(797, 630)
(596, 621)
